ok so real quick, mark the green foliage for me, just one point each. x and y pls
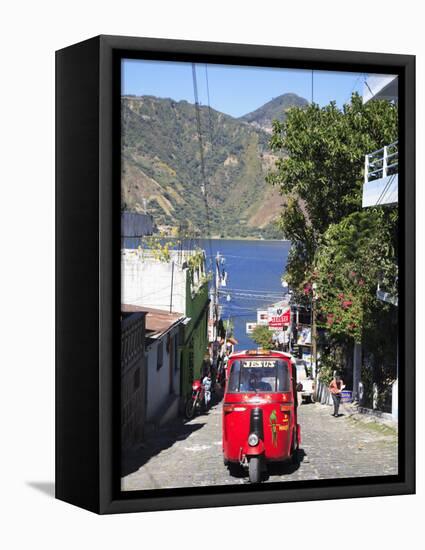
(336, 352)
(229, 327)
(263, 337)
(322, 172)
(160, 248)
(196, 260)
(326, 370)
(274, 110)
(354, 255)
(162, 164)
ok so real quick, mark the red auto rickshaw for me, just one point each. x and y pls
(260, 411)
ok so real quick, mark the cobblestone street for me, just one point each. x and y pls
(187, 454)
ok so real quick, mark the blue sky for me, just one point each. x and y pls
(235, 90)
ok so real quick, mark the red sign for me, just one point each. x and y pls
(279, 317)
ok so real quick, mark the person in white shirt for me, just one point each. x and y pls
(206, 382)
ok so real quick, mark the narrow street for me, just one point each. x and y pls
(187, 454)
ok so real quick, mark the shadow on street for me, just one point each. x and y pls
(164, 438)
(157, 442)
(273, 468)
(284, 468)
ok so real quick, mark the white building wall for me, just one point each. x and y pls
(380, 86)
(147, 282)
(380, 191)
(158, 381)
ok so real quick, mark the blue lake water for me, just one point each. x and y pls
(254, 270)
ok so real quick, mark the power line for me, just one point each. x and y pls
(368, 87)
(209, 106)
(256, 299)
(201, 152)
(277, 259)
(384, 192)
(312, 86)
(355, 84)
(252, 291)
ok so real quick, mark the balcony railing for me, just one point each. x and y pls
(381, 163)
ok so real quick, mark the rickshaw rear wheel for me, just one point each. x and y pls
(255, 469)
(295, 459)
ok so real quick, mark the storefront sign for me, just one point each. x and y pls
(279, 316)
(250, 327)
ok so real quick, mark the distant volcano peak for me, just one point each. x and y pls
(275, 109)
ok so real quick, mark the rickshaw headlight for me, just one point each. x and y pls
(253, 440)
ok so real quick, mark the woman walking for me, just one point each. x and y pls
(335, 387)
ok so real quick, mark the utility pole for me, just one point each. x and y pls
(314, 330)
(216, 286)
(172, 284)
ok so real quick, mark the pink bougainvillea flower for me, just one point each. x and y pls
(307, 288)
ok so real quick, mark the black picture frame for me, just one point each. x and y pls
(88, 273)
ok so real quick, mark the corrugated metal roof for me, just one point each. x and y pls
(158, 321)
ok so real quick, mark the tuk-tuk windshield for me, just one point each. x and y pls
(259, 375)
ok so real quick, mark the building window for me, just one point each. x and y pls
(159, 355)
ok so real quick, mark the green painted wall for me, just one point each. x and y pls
(195, 336)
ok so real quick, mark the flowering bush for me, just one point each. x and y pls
(354, 255)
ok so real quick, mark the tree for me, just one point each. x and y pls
(262, 336)
(320, 171)
(353, 256)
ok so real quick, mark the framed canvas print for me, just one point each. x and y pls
(235, 274)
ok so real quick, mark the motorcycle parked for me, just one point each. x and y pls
(197, 402)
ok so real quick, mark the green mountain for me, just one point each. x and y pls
(162, 169)
(273, 110)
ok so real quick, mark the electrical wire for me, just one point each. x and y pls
(253, 291)
(312, 86)
(201, 152)
(355, 84)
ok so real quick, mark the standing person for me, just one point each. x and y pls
(213, 372)
(206, 382)
(225, 361)
(281, 338)
(214, 363)
(335, 387)
(206, 365)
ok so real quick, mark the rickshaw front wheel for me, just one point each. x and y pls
(255, 469)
